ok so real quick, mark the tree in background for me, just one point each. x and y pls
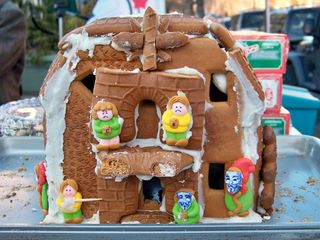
(42, 26)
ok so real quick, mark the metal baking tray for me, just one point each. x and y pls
(296, 215)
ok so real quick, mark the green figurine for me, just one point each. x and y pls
(106, 125)
(238, 192)
(186, 210)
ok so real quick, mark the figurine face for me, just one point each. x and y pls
(179, 109)
(184, 200)
(104, 115)
(233, 181)
(68, 191)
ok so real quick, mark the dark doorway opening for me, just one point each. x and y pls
(216, 176)
(216, 95)
(89, 82)
(152, 190)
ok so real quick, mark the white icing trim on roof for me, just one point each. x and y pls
(83, 42)
(251, 111)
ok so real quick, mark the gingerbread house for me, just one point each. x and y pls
(138, 64)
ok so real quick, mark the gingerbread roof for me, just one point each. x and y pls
(123, 40)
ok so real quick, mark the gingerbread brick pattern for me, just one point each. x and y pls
(127, 89)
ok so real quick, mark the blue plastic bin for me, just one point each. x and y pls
(303, 108)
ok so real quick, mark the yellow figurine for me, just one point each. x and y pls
(70, 201)
(177, 121)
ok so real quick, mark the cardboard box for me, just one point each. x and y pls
(280, 122)
(272, 87)
(266, 52)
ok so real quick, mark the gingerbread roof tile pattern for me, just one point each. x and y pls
(139, 68)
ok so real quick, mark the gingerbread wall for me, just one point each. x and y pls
(119, 198)
(127, 89)
(79, 163)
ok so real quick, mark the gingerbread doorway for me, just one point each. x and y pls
(151, 194)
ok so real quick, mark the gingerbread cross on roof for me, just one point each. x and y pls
(151, 42)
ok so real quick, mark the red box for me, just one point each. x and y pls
(266, 52)
(280, 122)
(272, 87)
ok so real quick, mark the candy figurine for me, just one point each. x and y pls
(106, 125)
(70, 201)
(238, 192)
(42, 187)
(177, 121)
(186, 210)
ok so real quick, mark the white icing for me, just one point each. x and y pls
(167, 170)
(141, 57)
(163, 204)
(119, 178)
(251, 111)
(144, 177)
(266, 218)
(253, 217)
(133, 222)
(192, 36)
(239, 44)
(136, 116)
(200, 195)
(220, 80)
(83, 42)
(136, 70)
(208, 21)
(186, 71)
(54, 101)
(98, 160)
(116, 153)
(208, 106)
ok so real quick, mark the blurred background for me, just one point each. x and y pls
(49, 20)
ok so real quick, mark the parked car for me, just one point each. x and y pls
(253, 20)
(296, 20)
(303, 65)
(278, 18)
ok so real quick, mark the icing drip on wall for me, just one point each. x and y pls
(252, 110)
(54, 101)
